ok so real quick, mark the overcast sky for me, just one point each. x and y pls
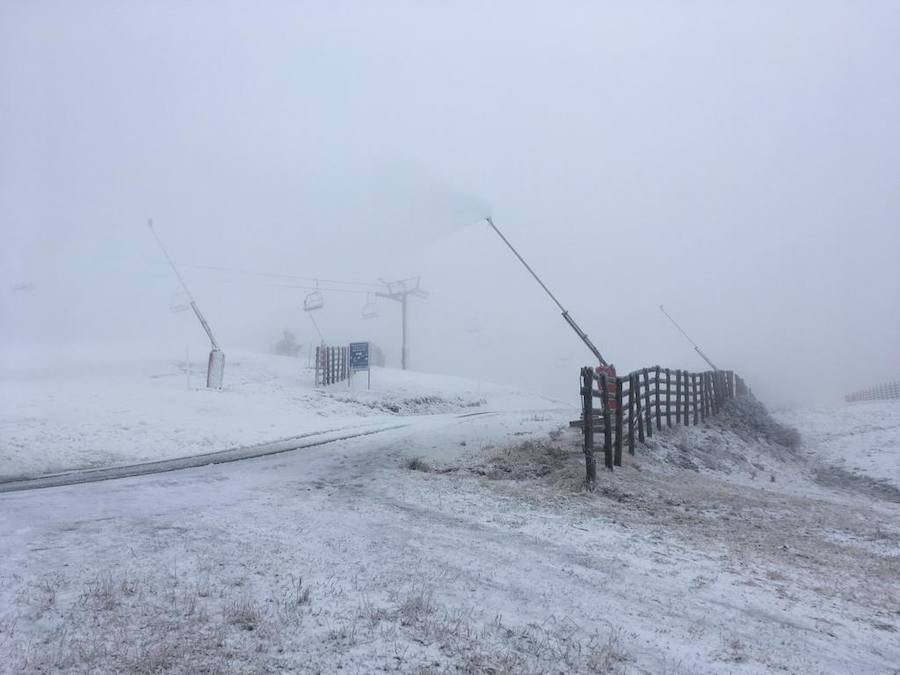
(737, 162)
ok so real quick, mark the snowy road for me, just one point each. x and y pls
(301, 442)
(660, 571)
(304, 441)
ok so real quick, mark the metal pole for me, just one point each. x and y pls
(212, 339)
(565, 314)
(321, 337)
(696, 348)
(527, 266)
(399, 291)
(403, 352)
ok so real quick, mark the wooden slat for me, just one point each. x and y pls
(617, 458)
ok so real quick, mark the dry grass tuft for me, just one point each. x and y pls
(418, 464)
(244, 613)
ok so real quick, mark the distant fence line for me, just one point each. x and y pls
(876, 393)
(632, 405)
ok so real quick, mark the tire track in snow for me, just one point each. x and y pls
(95, 475)
(192, 461)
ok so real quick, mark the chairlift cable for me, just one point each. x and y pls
(282, 275)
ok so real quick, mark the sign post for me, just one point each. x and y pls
(359, 360)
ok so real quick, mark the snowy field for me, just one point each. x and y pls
(462, 544)
(862, 438)
(83, 411)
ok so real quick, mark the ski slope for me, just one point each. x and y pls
(861, 438)
(102, 409)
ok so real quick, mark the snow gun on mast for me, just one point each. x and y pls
(696, 348)
(215, 370)
(565, 313)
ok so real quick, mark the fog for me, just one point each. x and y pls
(738, 163)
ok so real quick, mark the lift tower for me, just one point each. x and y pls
(400, 291)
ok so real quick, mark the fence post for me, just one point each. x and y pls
(619, 421)
(330, 364)
(702, 397)
(631, 403)
(587, 396)
(678, 396)
(607, 425)
(695, 380)
(717, 391)
(668, 398)
(658, 403)
(639, 406)
(706, 396)
(688, 397)
(648, 411)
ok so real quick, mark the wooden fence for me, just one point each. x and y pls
(633, 406)
(876, 393)
(331, 365)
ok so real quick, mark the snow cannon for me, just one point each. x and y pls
(215, 369)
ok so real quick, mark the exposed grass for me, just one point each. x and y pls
(414, 620)
(101, 592)
(296, 596)
(418, 464)
(244, 613)
(126, 621)
(550, 458)
(747, 415)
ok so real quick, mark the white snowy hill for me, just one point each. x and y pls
(109, 408)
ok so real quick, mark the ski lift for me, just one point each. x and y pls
(370, 309)
(314, 300)
(179, 303)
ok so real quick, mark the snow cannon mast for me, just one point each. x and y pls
(565, 314)
(215, 370)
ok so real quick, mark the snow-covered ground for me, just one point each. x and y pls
(104, 409)
(863, 438)
(464, 544)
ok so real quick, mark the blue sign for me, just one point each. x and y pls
(359, 356)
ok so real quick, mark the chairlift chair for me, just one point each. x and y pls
(370, 309)
(313, 301)
(179, 303)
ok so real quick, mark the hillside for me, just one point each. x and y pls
(102, 409)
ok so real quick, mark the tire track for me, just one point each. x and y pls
(179, 463)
